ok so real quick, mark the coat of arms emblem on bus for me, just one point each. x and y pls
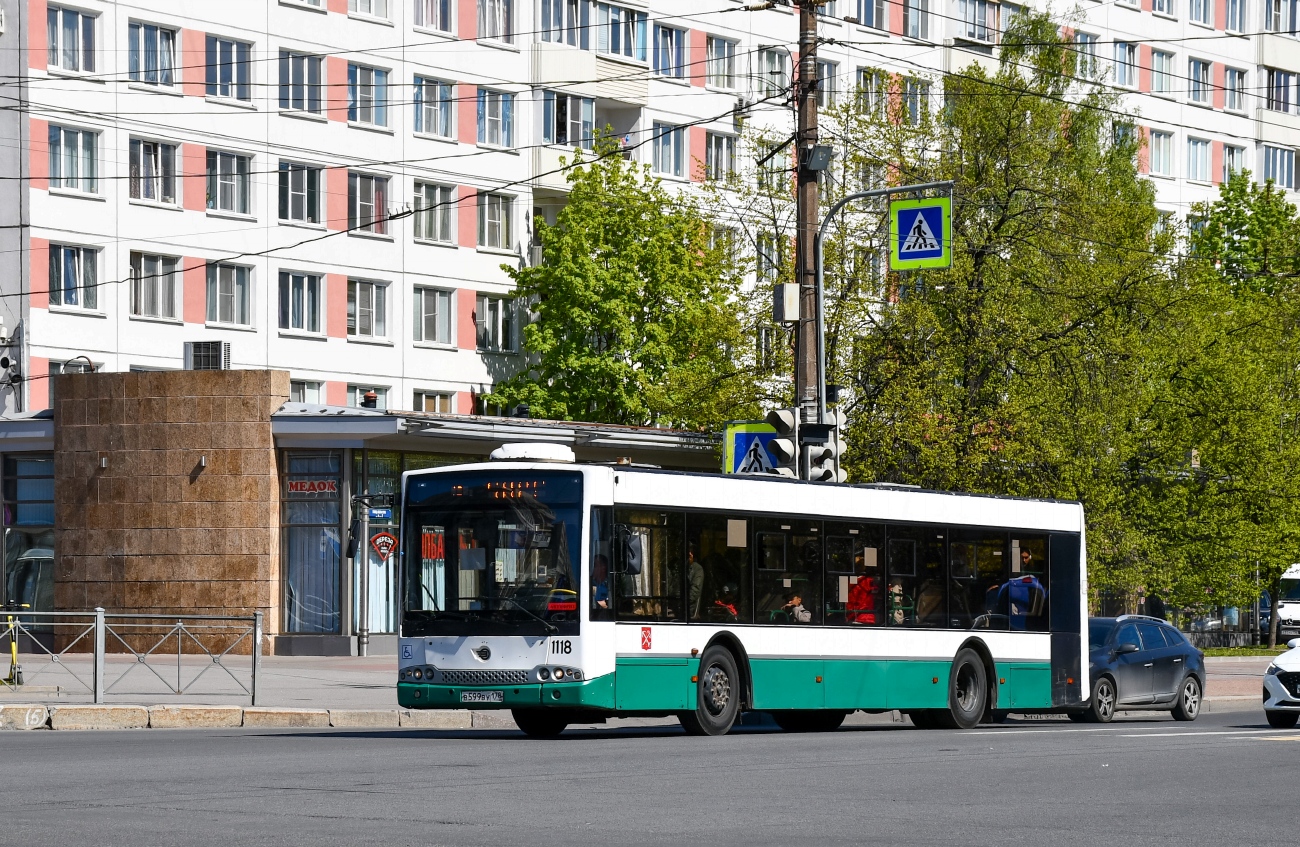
(645, 638)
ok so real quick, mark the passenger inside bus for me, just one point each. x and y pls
(725, 608)
(794, 609)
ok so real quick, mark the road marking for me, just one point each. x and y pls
(1278, 738)
(1195, 732)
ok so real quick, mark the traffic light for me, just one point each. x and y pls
(825, 449)
(785, 447)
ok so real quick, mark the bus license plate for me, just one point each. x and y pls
(482, 696)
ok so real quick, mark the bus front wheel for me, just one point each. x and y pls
(968, 692)
(537, 723)
(717, 696)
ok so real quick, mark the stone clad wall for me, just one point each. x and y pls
(155, 530)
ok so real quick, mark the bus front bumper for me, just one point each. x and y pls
(589, 694)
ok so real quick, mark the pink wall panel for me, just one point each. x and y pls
(698, 151)
(1144, 67)
(336, 305)
(467, 216)
(40, 273)
(463, 402)
(37, 49)
(467, 19)
(194, 290)
(194, 180)
(1144, 152)
(338, 6)
(467, 113)
(697, 55)
(194, 79)
(39, 148)
(1220, 80)
(336, 88)
(1216, 162)
(466, 335)
(336, 393)
(38, 390)
(336, 198)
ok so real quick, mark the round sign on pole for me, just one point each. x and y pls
(384, 543)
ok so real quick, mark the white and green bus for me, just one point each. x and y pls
(570, 593)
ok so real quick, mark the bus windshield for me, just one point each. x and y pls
(490, 553)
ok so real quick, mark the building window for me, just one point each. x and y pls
(916, 101)
(368, 203)
(495, 118)
(73, 277)
(371, 8)
(299, 193)
(367, 311)
(227, 68)
(357, 395)
(1198, 160)
(433, 107)
(228, 294)
(979, 20)
(773, 168)
(1126, 59)
(1281, 91)
(1199, 11)
(872, 13)
(768, 257)
(304, 391)
(153, 171)
(620, 32)
(153, 286)
(1085, 46)
(228, 182)
(29, 529)
(568, 119)
(494, 323)
(70, 38)
(73, 159)
(432, 316)
(1198, 81)
(1280, 16)
(773, 75)
(496, 19)
(367, 95)
(1236, 15)
(827, 76)
(494, 221)
(566, 22)
(1162, 72)
(310, 515)
(433, 14)
(151, 54)
(300, 301)
(300, 82)
(1279, 166)
(433, 205)
(1163, 7)
(719, 155)
(872, 85)
(438, 402)
(916, 19)
(1234, 161)
(720, 62)
(670, 52)
(1234, 83)
(1162, 153)
(668, 146)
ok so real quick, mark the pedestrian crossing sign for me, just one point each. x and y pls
(744, 447)
(920, 234)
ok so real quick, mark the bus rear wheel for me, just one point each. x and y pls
(717, 697)
(538, 723)
(810, 721)
(968, 691)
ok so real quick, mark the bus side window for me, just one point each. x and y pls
(725, 590)
(1027, 590)
(976, 573)
(855, 586)
(917, 590)
(602, 578)
(655, 593)
(788, 571)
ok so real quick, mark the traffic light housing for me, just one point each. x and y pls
(825, 449)
(785, 447)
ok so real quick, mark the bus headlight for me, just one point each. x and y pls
(543, 674)
(417, 673)
(559, 673)
(575, 674)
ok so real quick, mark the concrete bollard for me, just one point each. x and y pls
(362, 718)
(24, 717)
(268, 717)
(195, 717)
(99, 717)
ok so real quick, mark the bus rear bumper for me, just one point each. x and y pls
(595, 693)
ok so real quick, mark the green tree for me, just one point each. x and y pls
(634, 308)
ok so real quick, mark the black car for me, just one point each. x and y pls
(1139, 662)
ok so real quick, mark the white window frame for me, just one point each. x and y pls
(295, 187)
(494, 323)
(1163, 7)
(1278, 165)
(1198, 160)
(434, 15)
(1162, 153)
(916, 19)
(367, 95)
(873, 13)
(443, 402)
(1085, 47)
(229, 184)
(1199, 80)
(768, 257)
(1280, 16)
(357, 392)
(152, 174)
(82, 263)
(433, 308)
(78, 57)
(1162, 72)
(495, 220)
(496, 20)
(668, 143)
(229, 296)
(301, 302)
(377, 9)
(434, 218)
(1234, 160)
(915, 100)
(305, 391)
(1126, 64)
(367, 203)
(496, 118)
(719, 156)
(566, 22)
(1234, 84)
(773, 72)
(164, 41)
(1201, 12)
(828, 74)
(1235, 15)
(620, 31)
(568, 119)
(300, 82)
(1281, 90)
(435, 112)
(229, 72)
(74, 159)
(367, 309)
(153, 286)
(980, 20)
(720, 63)
(670, 52)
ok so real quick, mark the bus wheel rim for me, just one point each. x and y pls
(966, 695)
(717, 690)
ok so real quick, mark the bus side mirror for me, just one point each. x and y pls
(627, 550)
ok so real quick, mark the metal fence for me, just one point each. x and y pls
(99, 653)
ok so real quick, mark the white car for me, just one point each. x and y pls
(1282, 688)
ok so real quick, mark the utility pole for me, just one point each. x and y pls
(805, 92)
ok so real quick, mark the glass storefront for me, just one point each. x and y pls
(29, 530)
(313, 546)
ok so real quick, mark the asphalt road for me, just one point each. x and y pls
(1225, 779)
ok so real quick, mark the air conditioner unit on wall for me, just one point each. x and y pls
(207, 355)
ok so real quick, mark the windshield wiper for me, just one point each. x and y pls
(550, 627)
